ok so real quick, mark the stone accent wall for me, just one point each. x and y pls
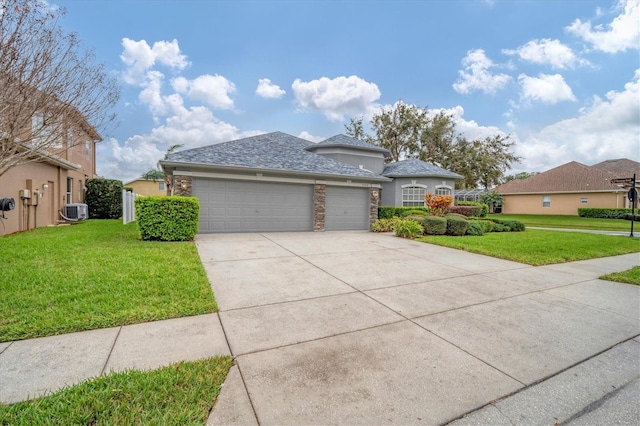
(182, 185)
(375, 202)
(319, 202)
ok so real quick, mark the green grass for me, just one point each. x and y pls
(569, 222)
(538, 247)
(95, 274)
(180, 394)
(631, 276)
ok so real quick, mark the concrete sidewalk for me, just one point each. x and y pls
(356, 327)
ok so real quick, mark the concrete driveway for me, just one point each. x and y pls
(364, 328)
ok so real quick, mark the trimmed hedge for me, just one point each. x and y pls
(434, 225)
(456, 225)
(468, 211)
(386, 212)
(484, 208)
(104, 198)
(604, 213)
(167, 218)
(512, 225)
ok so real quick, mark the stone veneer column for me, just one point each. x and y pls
(319, 203)
(375, 203)
(182, 185)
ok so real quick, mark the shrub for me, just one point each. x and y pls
(387, 212)
(438, 204)
(408, 229)
(467, 211)
(415, 217)
(635, 217)
(488, 225)
(104, 198)
(456, 225)
(434, 225)
(458, 215)
(603, 213)
(484, 208)
(384, 225)
(166, 218)
(475, 228)
(508, 225)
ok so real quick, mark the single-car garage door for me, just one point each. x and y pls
(247, 206)
(346, 208)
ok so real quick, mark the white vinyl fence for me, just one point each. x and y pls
(128, 206)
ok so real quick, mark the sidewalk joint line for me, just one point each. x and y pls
(106, 362)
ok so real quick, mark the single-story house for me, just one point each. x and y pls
(147, 186)
(564, 189)
(279, 182)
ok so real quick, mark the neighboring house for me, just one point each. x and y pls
(147, 187)
(566, 188)
(278, 182)
(56, 177)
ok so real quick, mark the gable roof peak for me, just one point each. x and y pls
(345, 141)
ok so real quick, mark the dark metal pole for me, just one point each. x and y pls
(634, 197)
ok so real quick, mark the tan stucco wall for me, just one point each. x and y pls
(27, 215)
(146, 187)
(561, 203)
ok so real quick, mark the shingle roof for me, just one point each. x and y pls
(622, 167)
(349, 142)
(269, 151)
(415, 167)
(570, 177)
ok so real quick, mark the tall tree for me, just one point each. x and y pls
(409, 131)
(47, 80)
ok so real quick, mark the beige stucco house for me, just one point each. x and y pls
(147, 187)
(566, 188)
(55, 177)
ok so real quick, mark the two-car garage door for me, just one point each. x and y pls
(251, 206)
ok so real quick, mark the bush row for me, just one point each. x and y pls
(466, 208)
(605, 213)
(484, 209)
(413, 226)
(386, 212)
(104, 198)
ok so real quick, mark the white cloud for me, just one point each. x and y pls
(139, 57)
(308, 136)
(605, 130)
(470, 129)
(547, 51)
(621, 34)
(476, 75)
(268, 90)
(212, 89)
(336, 97)
(549, 89)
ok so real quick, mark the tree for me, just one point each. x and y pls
(158, 173)
(409, 131)
(47, 80)
(521, 175)
(493, 199)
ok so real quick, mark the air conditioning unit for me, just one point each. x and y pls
(76, 211)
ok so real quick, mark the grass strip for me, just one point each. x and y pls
(631, 276)
(93, 275)
(180, 394)
(568, 222)
(538, 247)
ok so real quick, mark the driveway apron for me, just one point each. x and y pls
(364, 328)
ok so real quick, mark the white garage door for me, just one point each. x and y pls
(346, 208)
(245, 206)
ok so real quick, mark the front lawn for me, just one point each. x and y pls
(538, 247)
(631, 276)
(95, 274)
(179, 394)
(568, 222)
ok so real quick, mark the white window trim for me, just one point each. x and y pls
(412, 185)
(546, 199)
(445, 187)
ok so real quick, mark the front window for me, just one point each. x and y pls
(443, 190)
(546, 201)
(87, 149)
(80, 191)
(413, 196)
(161, 186)
(69, 190)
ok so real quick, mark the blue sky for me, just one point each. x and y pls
(562, 77)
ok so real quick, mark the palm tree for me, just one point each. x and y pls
(158, 173)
